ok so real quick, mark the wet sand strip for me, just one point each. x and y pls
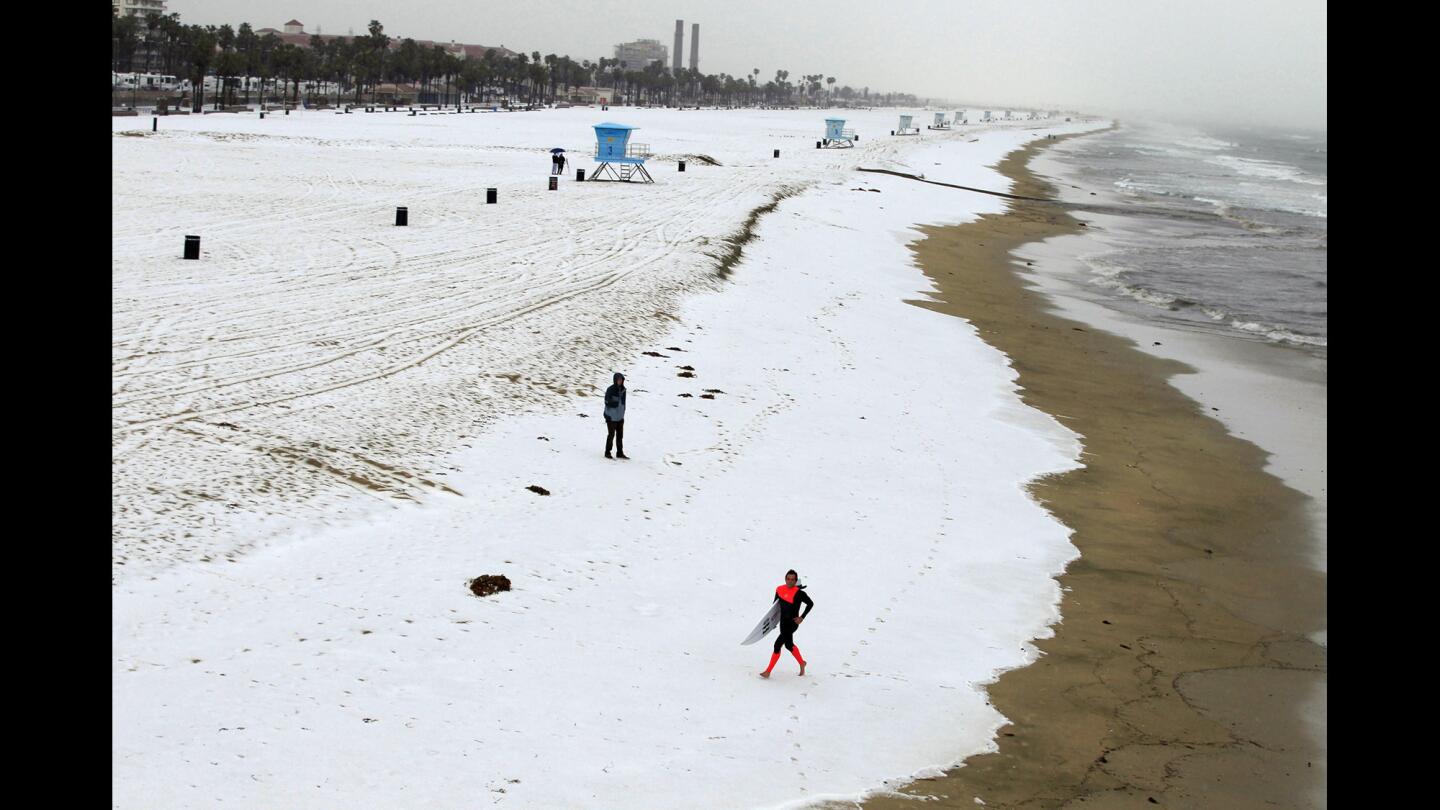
(1179, 672)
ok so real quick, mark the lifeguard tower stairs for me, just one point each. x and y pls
(619, 159)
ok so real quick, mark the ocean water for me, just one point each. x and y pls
(1226, 229)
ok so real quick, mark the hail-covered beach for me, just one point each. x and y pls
(328, 424)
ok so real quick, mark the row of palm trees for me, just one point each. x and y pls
(358, 66)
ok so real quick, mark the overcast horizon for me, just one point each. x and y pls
(1230, 63)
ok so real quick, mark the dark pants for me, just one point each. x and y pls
(615, 432)
(787, 636)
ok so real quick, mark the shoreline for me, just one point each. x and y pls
(1271, 394)
(1181, 669)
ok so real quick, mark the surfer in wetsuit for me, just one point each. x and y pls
(790, 596)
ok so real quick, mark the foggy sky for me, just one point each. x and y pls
(1252, 62)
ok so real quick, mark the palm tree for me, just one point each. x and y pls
(337, 57)
(154, 38)
(377, 44)
(265, 58)
(157, 40)
(453, 66)
(246, 46)
(172, 33)
(320, 57)
(225, 39)
(434, 70)
(125, 32)
(406, 62)
(552, 62)
(473, 73)
(537, 74)
(201, 53)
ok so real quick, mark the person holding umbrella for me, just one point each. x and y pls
(557, 161)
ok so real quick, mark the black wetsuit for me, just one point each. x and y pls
(788, 612)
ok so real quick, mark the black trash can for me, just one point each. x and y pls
(554, 182)
(682, 165)
(489, 196)
(192, 247)
(579, 175)
(777, 153)
(402, 216)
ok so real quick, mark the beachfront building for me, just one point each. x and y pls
(136, 8)
(294, 34)
(587, 95)
(639, 54)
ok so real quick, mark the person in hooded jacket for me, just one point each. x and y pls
(790, 596)
(615, 417)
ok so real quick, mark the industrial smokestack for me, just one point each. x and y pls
(695, 47)
(679, 43)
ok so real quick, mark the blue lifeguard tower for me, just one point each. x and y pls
(618, 158)
(836, 135)
(960, 117)
(940, 122)
(905, 128)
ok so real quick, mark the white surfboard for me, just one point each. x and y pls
(770, 622)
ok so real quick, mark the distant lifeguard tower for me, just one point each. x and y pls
(905, 128)
(836, 135)
(618, 158)
(986, 116)
(959, 116)
(939, 122)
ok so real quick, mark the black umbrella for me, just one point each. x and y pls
(557, 150)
